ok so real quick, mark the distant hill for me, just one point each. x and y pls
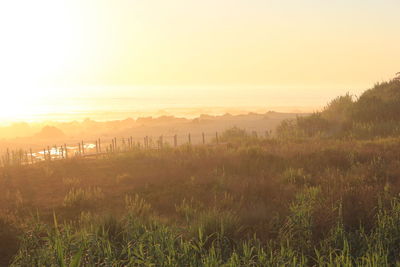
(50, 132)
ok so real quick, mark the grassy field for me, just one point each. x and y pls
(247, 202)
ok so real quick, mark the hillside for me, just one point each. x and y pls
(374, 114)
(50, 133)
(246, 202)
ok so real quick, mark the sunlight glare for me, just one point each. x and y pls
(38, 40)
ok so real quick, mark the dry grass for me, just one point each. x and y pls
(274, 189)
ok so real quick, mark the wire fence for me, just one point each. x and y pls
(103, 146)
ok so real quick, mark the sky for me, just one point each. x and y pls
(192, 53)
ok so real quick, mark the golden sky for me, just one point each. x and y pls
(235, 48)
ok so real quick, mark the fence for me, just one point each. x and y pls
(102, 146)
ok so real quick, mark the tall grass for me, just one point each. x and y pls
(135, 242)
(79, 197)
(253, 202)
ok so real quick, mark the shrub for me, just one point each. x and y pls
(137, 207)
(83, 198)
(234, 134)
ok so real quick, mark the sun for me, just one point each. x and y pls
(38, 42)
(21, 104)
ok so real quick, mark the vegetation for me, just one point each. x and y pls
(373, 114)
(255, 202)
(313, 196)
(82, 197)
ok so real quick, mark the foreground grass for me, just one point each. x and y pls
(249, 203)
(143, 241)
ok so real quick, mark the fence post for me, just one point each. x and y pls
(66, 151)
(48, 149)
(190, 139)
(161, 142)
(99, 145)
(216, 137)
(83, 148)
(79, 148)
(30, 150)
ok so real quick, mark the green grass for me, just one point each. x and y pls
(136, 241)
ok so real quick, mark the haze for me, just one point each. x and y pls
(190, 54)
